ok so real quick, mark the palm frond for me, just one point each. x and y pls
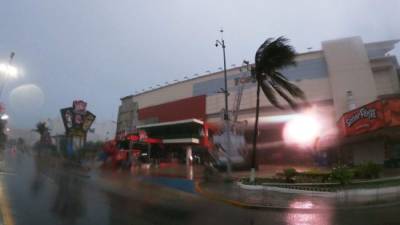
(270, 94)
(273, 55)
(282, 93)
(41, 128)
(291, 88)
(260, 55)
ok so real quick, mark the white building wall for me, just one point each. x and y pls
(127, 115)
(385, 75)
(384, 83)
(349, 70)
(163, 95)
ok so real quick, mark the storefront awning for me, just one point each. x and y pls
(170, 123)
(181, 141)
(188, 131)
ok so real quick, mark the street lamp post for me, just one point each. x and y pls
(222, 43)
(4, 117)
(253, 152)
(226, 111)
(7, 71)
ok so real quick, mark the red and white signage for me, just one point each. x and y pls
(371, 117)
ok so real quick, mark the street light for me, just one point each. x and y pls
(8, 71)
(226, 111)
(4, 117)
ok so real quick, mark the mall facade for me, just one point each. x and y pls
(343, 76)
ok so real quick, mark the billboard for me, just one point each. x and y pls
(77, 120)
(371, 117)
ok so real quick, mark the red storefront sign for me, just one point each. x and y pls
(392, 112)
(139, 138)
(371, 117)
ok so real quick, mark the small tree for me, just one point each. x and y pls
(45, 138)
(368, 170)
(42, 130)
(342, 174)
(289, 174)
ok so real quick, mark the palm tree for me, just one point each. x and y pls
(271, 57)
(43, 130)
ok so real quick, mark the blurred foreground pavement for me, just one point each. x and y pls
(35, 192)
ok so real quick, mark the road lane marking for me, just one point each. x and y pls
(5, 209)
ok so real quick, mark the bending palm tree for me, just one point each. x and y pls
(272, 56)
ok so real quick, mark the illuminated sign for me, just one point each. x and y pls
(363, 113)
(77, 120)
(79, 106)
(371, 117)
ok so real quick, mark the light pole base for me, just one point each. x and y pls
(253, 175)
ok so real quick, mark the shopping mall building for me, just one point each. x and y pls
(341, 77)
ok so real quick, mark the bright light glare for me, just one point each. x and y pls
(301, 205)
(26, 99)
(302, 130)
(277, 119)
(4, 117)
(8, 70)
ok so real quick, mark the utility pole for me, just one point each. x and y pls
(226, 111)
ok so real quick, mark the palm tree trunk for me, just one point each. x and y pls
(255, 134)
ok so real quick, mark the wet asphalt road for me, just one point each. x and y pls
(32, 192)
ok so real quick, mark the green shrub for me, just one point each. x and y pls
(342, 174)
(313, 176)
(367, 170)
(312, 171)
(289, 174)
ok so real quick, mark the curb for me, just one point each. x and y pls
(314, 193)
(216, 197)
(355, 192)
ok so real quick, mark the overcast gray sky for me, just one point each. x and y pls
(102, 50)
